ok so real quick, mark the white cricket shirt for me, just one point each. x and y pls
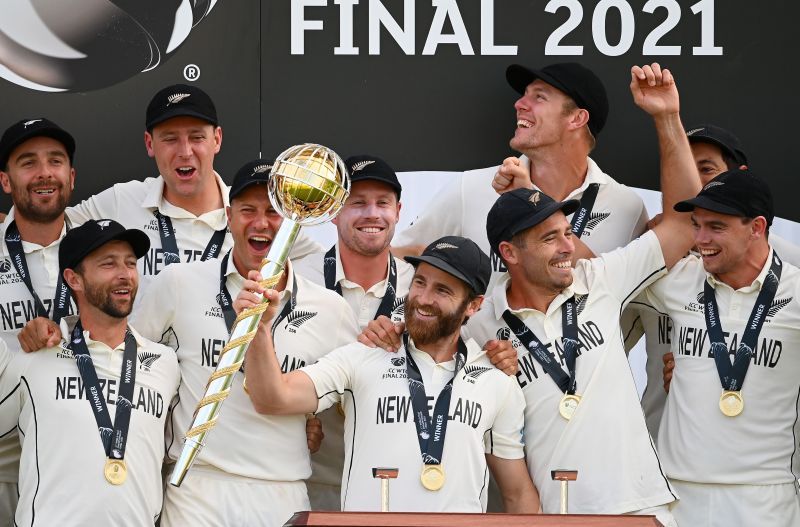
(486, 416)
(606, 440)
(618, 215)
(696, 441)
(61, 470)
(182, 311)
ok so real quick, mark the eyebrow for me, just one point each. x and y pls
(51, 153)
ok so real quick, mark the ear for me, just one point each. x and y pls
(217, 139)
(758, 227)
(73, 280)
(148, 144)
(474, 306)
(399, 206)
(72, 179)
(5, 182)
(508, 252)
(579, 119)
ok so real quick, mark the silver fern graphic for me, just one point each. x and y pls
(475, 371)
(146, 360)
(361, 165)
(176, 98)
(596, 219)
(777, 305)
(580, 303)
(298, 318)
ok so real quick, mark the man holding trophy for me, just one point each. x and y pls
(253, 465)
(441, 452)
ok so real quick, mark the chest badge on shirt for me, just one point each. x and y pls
(297, 319)
(595, 219)
(471, 373)
(776, 306)
(147, 359)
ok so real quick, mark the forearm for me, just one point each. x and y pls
(519, 494)
(679, 179)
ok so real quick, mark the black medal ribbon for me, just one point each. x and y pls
(431, 431)
(732, 375)
(569, 324)
(387, 302)
(169, 244)
(17, 254)
(581, 216)
(113, 436)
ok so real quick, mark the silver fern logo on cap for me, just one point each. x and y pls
(445, 245)
(361, 165)
(176, 98)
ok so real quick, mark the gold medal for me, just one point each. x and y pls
(731, 403)
(432, 477)
(568, 404)
(116, 471)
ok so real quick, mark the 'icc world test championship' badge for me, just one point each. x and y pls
(432, 477)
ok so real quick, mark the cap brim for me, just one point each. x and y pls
(519, 77)
(704, 202)
(138, 240)
(180, 112)
(59, 134)
(439, 264)
(737, 155)
(235, 191)
(567, 207)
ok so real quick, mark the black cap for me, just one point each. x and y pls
(521, 209)
(736, 192)
(460, 257)
(254, 172)
(19, 132)
(716, 135)
(180, 100)
(576, 80)
(80, 241)
(364, 167)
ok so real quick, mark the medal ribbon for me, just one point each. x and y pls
(431, 431)
(732, 375)
(113, 436)
(581, 216)
(17, 254)
(387, 302)
(169, 244)
(569, 324)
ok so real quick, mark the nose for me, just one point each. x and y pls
(567, 245)
(701, 236)
(521, 104)
(184, 147)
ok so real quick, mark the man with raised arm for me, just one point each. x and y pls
(437, 410)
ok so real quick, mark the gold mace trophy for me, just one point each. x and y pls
(308, 185)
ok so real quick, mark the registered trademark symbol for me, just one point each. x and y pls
(191, 72)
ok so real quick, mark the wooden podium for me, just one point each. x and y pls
(431, 519)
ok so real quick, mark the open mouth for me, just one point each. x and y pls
(44, 191)
(259, 243)
(185, 172)
(709, 253)
(564, 265)
(524, 123)
(370, 230)
(123, 292)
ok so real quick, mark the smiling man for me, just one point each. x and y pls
(360, 268)
(91, 411)
(36, 169)
(437, 409)
(252, 468)
(561, 110)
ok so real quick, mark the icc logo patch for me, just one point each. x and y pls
(80, 46)
(398, 361)
(5, 265)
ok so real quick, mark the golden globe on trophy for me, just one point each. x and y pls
(308, 186)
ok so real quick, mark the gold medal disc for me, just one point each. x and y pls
(116, 471)
(432, 477)
(731, 403)
(568, 404)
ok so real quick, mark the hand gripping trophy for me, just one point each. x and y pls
(308, 186)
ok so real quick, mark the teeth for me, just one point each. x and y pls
(259, 239)
(563, 265)
(370, 230)
(708, 252)
(121, 291)
(44, 191)
(524, 123)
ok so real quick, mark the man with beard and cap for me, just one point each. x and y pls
(715, 150)
(91, 411)
(437, 410)
(562, 109)
(728, 434)
(36, 169)
(577, 383)
(183, 209)
(252, 465)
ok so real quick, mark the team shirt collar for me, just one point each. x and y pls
(474, 352)
(593, 175)
(754, 286)
(154, 199)
(28, 247)
(379, 289)
(500, 299)
(68, 322)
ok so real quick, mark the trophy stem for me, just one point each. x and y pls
(233, 354)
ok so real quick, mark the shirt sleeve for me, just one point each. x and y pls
(333, 374)
(442, 217)
(788, 251)
(154, 313)
(504, 439)
(99, 206)
(628, 270)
